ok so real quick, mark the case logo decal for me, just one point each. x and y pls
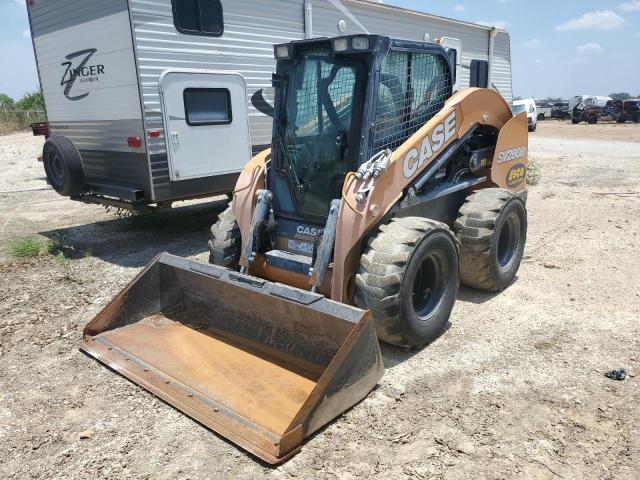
(309, 231)
(431, 144)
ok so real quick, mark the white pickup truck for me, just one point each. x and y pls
(544, 110)
(528, 106)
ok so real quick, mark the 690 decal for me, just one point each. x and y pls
(512, 154)
(516, 175)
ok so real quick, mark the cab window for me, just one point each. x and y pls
(412, 88)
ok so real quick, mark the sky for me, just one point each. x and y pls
(559, 48)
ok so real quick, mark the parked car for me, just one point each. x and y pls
(560, 110)
(528, 106)
(587, 108)
(544, 110)
(631, 110)
(588, 101)
(613, 110)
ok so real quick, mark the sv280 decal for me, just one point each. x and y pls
(512, 154)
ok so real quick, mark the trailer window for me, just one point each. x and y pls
(207, 106)
(479, 74)
(198, 17)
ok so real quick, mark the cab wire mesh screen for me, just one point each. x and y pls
(413, 88)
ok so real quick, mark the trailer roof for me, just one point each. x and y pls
(423, 14)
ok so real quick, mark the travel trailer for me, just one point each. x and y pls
(150, 102)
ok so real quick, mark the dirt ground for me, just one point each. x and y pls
(515, 388)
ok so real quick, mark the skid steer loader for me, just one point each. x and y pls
(383, 190)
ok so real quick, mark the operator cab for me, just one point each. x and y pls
(338, 102)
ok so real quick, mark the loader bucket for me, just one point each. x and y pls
(262, 364)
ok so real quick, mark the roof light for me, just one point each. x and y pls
(340, 45)
(360, 43)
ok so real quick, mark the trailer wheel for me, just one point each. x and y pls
(225, 241)
(408, 278)
(63, 166)
(492, 231)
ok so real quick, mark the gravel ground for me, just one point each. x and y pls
(514, 389)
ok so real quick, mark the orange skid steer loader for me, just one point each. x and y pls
(382, 190)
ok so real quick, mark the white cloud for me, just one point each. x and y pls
(459, 8)
(598, 20)
(533, 43)
(590, 47)
(26, 33)
(632, 6)
(496, 23)
(539, 62)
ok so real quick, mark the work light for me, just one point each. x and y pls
(360, 43)
(340, 45)
(283, 52)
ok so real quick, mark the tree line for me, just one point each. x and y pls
(29, 101)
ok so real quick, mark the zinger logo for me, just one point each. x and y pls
(441, 134)
(81, 71)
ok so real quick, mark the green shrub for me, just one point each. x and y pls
(534, 170)
(27, 247)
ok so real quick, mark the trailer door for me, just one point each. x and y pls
(206, 123)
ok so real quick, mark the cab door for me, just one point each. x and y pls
(206, 123)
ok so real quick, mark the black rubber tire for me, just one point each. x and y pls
(533, 127)
(621, 119)
(63, 166)
(490, 255)
(388, 273)
(592, 120)
(225, 242)
(575, 121)
(541, 116)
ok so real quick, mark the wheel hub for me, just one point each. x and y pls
(57, 169)
(508, 240)
(428, 285)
